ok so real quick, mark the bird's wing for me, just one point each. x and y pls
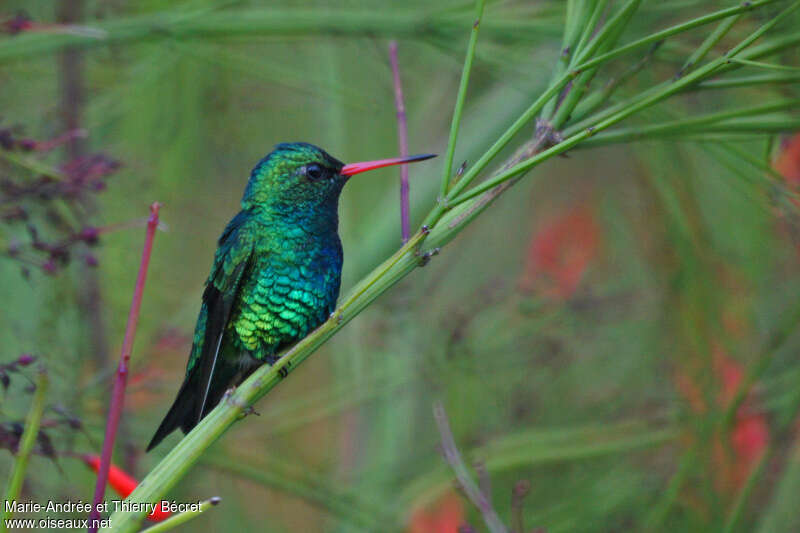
(233, 257)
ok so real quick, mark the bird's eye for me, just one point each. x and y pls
(314, 171)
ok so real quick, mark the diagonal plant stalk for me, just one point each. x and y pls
(26, 443)
(450, 215)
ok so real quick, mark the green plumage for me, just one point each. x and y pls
(275, 277)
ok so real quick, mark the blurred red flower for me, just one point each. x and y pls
(737, 453)
(750, 434)
(788, 161)
(444, 515)
(123, 484)
(560, 253)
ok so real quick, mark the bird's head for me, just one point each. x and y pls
(301, 174)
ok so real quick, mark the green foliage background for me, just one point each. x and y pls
(577, 395)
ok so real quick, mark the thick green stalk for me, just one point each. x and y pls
(26, 443)
(460, 98)
(234, 406)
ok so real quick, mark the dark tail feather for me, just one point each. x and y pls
(184, 411)
(182, 414)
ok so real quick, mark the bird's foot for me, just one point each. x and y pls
(425, 257)
(246, 408)
(250, 410)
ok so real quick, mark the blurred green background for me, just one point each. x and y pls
(586, 334)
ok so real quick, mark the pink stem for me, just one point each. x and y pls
(402, 134)
(118, 394)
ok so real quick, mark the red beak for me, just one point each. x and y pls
(357, 168)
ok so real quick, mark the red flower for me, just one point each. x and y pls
(788, 161)
(737, 453)
(750, 433)
(123, 484)
(445, 515)
(560, 253)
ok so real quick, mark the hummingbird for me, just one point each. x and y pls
(275, 277)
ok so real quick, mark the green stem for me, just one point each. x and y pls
(711, 41)
(605, 39)
(642, 103)
(234, 406)
(748, 81)
(682, 126)
(559, 83)
(26, 443)
(462, 93)
(450, 218)
(769, 66)
(181, 518)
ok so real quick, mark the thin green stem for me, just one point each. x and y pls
(647, 101)
(690, 125)
(26, 443)
(181, 518)
(559, 83)
(769, 66)
(575, 24)
(605, 39)
(716, 36)
(460, 98)
(589, 30)
(748, 81)
(674, 30)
